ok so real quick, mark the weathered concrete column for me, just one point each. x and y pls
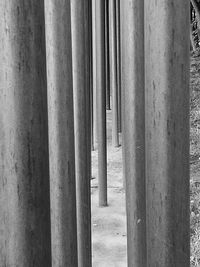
(119, 97)
(101, 101)
(167, 132)
(122, 45)
(61, 133)
(94, 66)
(113, 71)
(25, 238)
(81, 82)
(134, 128)
(90, 26)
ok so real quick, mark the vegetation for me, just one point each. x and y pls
(195, 161)
(195, 26)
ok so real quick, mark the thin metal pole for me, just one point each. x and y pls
(25, 234)
(134, 129)
(90, 25)
(61, 133)
(118, 33)
(101, 101)
(167, 132)
(122, 45)
(94, 66)
(81, 83)
(107, 55)
(113, 71)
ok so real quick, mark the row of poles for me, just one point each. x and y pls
(53, 73)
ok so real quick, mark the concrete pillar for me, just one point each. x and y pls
(167, 132)
(25, 238)
(94, 66)
(107, 55)
(90, 26)
(81, 83)
(122, 45)
(113, 71)
(101, 101)
(134, 128)
(118, 36)
(61, 133)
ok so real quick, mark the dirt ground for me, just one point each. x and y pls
(109, 223)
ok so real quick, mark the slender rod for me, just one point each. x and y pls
(101, 101)
(113, 71)
(119, 97)
(107, 55)
(94, 66)
(81, 83)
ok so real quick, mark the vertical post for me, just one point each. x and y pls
(113, 71)
(61, 133)
(94, 66)
(118, 33)
(24, 166)
(134, 129)
(122, 46)
(167, 132)
(81, 82)
(107, 56)
(101, 101)
(90, 26)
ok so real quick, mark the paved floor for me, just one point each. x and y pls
(109, 223)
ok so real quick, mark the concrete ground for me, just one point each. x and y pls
(109, 223)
